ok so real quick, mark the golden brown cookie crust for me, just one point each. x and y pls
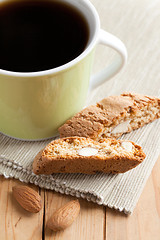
(99, 121)
(62, 156)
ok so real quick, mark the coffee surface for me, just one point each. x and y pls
(40, 35)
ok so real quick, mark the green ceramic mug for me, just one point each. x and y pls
(33, 105)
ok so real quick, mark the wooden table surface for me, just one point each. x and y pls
(96, 222)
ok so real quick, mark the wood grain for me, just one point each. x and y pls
(89, 224)
(15, 222)
(144, 223)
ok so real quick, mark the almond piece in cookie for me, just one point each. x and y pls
(84, 155)
(112, 117)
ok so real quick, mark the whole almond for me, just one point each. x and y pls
(28, 198)
(64, 216)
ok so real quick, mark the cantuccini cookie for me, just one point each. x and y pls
(113, 116)
(84, 155)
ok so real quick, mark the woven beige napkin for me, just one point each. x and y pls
(116, 191)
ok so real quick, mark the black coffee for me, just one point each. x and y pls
(40, 35)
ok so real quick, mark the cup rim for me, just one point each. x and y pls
(72, 62)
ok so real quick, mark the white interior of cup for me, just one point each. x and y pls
(90, 14)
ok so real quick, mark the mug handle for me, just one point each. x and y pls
(118, 63)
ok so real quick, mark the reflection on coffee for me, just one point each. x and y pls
(40, 35)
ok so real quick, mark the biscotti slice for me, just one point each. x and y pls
(84, 155)
(112, 117)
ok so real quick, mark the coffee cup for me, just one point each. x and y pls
(34, 104)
